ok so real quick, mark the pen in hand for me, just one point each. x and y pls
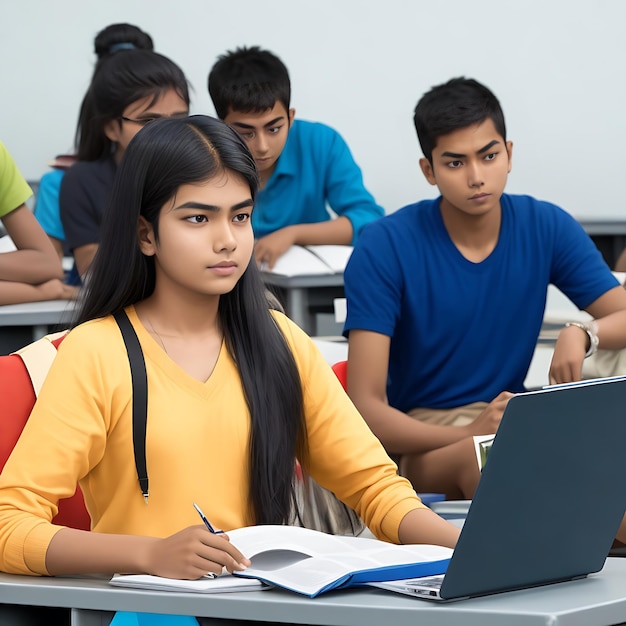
(206, 521)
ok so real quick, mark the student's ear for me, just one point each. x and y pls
(292, 114)
(145, 237)
(509, 151)
(428, 171)
(112, 130)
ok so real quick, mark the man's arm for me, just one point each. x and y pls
(620, 264)
(609, 311)
(269, 248)
(57, 244)
(35, 261)
(368, 362)
(345, 190)
(84, 255)
(18, 293)
(621, 531)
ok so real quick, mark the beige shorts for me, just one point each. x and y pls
(458, 416)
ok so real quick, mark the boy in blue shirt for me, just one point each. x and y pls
(303, 166)
(445, 297)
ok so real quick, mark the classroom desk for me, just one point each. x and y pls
(609, 235)
(598, 600)
(37, 314)
(303, 296)
(22, 323)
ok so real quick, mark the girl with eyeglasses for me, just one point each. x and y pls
(108, 41)
(128, 89)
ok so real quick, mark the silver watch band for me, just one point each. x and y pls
(592, 332)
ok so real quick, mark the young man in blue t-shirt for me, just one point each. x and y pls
(304, 167)
(446, 297)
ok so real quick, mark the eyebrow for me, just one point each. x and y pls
(212, 207)
(458, 155)
(280, 118)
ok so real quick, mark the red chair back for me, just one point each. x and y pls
(17, 397)
(341, 371)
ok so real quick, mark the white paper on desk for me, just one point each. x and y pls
(221, 584)
(298, 261)
(312, 260)
(336, 257)
(6, 244)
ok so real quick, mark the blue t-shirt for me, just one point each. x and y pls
(460, 331)
(47, 205)
(315, 169)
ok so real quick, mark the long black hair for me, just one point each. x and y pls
(119, 80)
(163, 156)
(108, 41)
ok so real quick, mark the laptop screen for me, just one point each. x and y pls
(551, 495)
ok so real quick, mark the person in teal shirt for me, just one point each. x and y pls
(305, 168)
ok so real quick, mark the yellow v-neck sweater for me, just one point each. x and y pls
(197, 441)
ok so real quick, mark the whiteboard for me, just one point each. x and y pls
(360, 66)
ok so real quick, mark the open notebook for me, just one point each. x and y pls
(308, 562)
(312, 260)
(550, 498)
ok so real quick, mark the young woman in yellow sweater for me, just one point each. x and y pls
(236, 393)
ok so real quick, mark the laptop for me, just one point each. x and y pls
(550, 498)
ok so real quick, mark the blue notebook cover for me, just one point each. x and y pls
(310, 562)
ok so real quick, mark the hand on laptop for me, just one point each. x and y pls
(569, 354)
(489, 420)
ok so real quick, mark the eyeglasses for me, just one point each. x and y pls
(145, 120)
(141, 122)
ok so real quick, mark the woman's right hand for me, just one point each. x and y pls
(193, 553)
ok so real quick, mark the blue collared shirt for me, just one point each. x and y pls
(47, 205)
(314, 171)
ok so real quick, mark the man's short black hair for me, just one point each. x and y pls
(459, 103)
(248, 80)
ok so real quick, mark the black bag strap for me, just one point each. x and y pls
(140, 397)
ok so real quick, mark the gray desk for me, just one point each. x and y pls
(598, 600)
(609, 236)
(603, 226)
(22, 323)
(303, 296)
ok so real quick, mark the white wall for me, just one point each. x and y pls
(359, 65)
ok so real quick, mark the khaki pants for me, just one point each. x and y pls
(458, 416)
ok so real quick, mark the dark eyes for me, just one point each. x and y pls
(240, 218)
(458, 163)
(251, 134)
(197, 219)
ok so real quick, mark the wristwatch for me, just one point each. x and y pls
(591, 328)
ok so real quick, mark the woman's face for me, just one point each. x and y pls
(137, 114)
(205, 237)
